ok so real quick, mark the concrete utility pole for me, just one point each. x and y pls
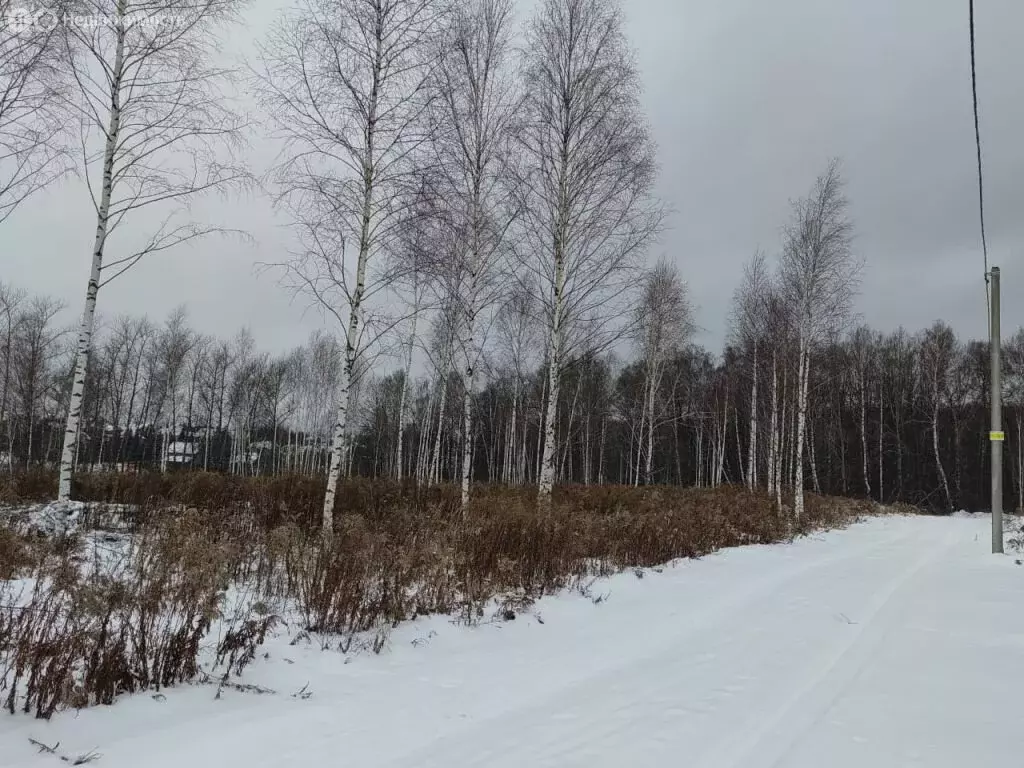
(996, 435)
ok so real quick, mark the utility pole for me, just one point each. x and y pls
(996, 435)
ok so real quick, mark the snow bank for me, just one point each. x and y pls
(65, 517)
(897, 642)
(54, 518)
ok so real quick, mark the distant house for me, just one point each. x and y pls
(258, 450)
(181, 453)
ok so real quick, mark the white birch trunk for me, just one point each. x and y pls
(649, 468)
(522, 469)
(881, 446)
(539, 454)
(467, 436)
(84, 346)
(864, 432)
(340, 432)
(723, 442)
(935, 448)
(435, 462)
(349, 452)
(785, 435)
(700, 455)
(423, 445)
(801, 419)
(773, 437)
(713, 470)
(812, 456)
(586, 450)
(510, 458)
(404, 398)
(546, 479)
(752, 447)
(739, 447)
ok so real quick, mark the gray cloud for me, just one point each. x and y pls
(747, 101)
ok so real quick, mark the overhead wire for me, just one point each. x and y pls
(977, 144)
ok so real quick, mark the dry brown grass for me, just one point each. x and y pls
(104, 618)
(94, 619)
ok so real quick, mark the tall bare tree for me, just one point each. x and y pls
(37, 346)
(11, 300)
(663, 324)
(33, 84)
(938, 352)
(471, 123)
(749, 325)
(517, 343)
(417, 292)
(820, 275)
(173, 346)
(588, 171)
(346, 84)
(122, 355)
(861, 349)
(157, 133)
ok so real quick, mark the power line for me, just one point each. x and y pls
(992, 304)
(977, 144)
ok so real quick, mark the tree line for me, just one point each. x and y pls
(890, 416)
(468, 194)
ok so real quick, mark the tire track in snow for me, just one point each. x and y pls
(556, 730)
(835, 671)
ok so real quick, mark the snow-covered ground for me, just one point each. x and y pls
(897, 642)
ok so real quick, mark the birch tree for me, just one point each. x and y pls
(123, 353)
(417, 281)
(938, 350)
(663, 323)
(517, 346)
(11, 300)
(157, 134)
(861, 343)
(441, 353)
(820, 275)
(33, 85)
(37, 346)
(898, 363)
(345, 82)
(587, 175)
(471, 123)
(749, 325)
(173, 346)
(778, 335)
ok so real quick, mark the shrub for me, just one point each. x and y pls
(129, 615)
(121, 613)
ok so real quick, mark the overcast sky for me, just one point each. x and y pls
(747, 101)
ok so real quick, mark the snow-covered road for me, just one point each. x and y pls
(898, 642)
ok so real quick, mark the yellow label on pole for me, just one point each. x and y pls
(997, 436)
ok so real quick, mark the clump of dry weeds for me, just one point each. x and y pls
(95, 617)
